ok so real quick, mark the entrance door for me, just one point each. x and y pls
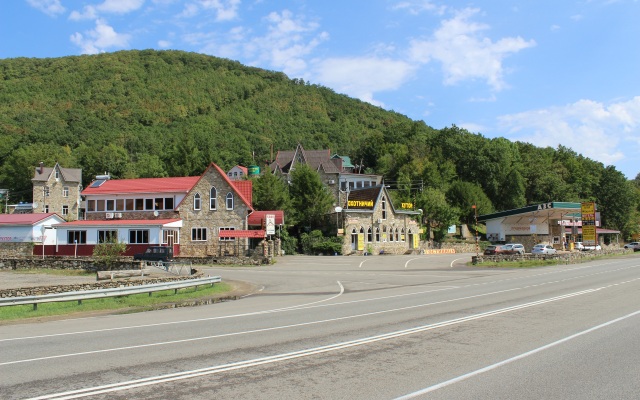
(354, 239)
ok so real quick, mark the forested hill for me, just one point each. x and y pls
(169, 113)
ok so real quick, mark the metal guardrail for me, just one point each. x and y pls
(103, 293)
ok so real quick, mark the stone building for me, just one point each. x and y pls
(57, 189)
(372, 225)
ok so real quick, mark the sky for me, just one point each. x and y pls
(546, 72)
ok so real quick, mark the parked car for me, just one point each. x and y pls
(494, 249)
(155, 253)
(543, 249)
(633, 245)
(513, 248)
(591, 247)
(578, 246)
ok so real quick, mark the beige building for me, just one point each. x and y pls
(372, 225)
(57, 190)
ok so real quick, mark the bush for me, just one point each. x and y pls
(316, 243)
(108, 252)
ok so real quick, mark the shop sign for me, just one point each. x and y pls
(360, 203)
(406, 205)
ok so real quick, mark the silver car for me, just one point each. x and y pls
(543, 249)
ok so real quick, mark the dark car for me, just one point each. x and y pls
(155, 253)
(494, 249)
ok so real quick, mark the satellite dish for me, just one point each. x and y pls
(338, 209)
(34, 205)
(155, 213)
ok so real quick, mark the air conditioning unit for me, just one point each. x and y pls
(332, 182)
(379, 220)
(108, 215)
(117, 215)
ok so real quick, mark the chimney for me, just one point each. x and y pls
(41, 167)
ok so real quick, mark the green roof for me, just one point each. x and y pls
(563, 207)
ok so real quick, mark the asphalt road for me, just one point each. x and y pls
(382, 327)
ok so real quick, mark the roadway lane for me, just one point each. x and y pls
(350, 327)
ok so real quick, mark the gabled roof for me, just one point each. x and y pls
(223, 175)
(42, 174)
(244, 170)
(26, 219)
(143, 185)
(366, 199)
(256, 218)
(246, 188)
(316, 159)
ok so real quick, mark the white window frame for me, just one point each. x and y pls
(213, 198)
(229, 197)
(65, 191)
(65, 210)
(198, 234)
(197, 201)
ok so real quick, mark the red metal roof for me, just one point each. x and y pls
(114, 222)
(257, 217)
(144, 185)
(24, 219)
(260, 234)
(246, 188)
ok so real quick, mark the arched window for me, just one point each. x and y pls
(197, 201)
(397, 235)
(377, 234)
(384, 233)
(402, 236)
(384, 207)
(213, 199)
(229, 201)
(369, 235)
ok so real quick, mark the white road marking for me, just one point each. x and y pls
(408, 261)
(116, 387)
(451, 265)
(512, 359)
(364, 261)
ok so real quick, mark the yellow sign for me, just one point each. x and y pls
(406, 205)
(589, 234)
(416, 241)
(360, 241)
(360, 203)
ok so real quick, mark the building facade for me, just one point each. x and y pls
(57, 189)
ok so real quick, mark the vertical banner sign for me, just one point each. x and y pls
(589, 235)
(360, 241)
(271, 224)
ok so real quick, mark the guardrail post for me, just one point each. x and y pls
(35, 306)
(79, 302)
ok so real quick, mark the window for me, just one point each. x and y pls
(65, 210)
(139, 236)
(213, 199)
(45, 191)
(110, 236)
(99, 205)
(119, 204)
(139, 204)
(111, 205)
(148, 204)
(384, 233)
(130, 204)
(228, 239)
(91, 205)
(199, 234)
(343, 186)
(46, 208)
(229, 201)
(57, 174)
(369, 235)
(65, 191)
(159, 203)
(168, 203)
(196, 201)
(79, 237)
(377, 234)
(397, 235)
(384, 208)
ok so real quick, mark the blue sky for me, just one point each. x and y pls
(546, 72)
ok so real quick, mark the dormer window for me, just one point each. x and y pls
(57, 174)
(197, 201)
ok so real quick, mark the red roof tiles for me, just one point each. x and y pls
(144, 185)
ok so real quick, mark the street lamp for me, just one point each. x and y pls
(475, 215)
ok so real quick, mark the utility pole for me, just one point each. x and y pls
(475, 214)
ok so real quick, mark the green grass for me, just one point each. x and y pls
(124, 304)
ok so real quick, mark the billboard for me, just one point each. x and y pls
(589, 233)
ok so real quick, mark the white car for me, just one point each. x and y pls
(543, 249)
(513, 248)
(591, 247)
(633, 245)
(578, 246)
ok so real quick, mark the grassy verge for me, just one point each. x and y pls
(132, 303)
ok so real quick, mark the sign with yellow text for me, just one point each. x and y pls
(360, 203)
(589, 233)
(360, 241)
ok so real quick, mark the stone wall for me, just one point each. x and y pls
(16, 250)
(54, 262)
(568, 257)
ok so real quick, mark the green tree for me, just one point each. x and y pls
(464, 195)
(270, 193)
(615, 198)
(437, 213)
(108, 252)
(310, 199)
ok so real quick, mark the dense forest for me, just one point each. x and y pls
(169, 113)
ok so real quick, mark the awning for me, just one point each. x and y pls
(598, 231)
(258, 218)
(254, 234)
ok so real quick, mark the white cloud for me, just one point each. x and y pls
(606, 133)
(225, 10)
(361, 77)
(465, 53)
(416, 7)
(49, 7)
(102, 38)
(164, 44)
(106, 7)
